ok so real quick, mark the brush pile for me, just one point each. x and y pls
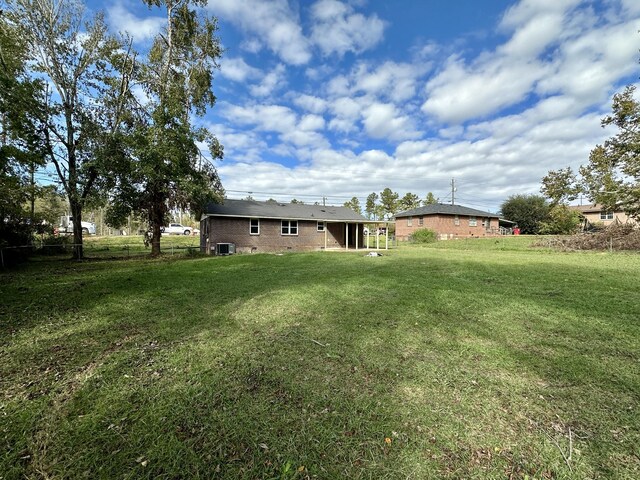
(618, 236)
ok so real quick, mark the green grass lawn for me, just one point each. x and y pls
(461, 359)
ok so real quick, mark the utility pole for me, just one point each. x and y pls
(453, 191)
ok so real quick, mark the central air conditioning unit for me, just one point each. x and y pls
(225, 248)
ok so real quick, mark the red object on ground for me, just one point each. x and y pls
(516, 231)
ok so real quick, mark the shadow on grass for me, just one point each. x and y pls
(238, 367)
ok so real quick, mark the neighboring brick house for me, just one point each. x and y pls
(595, 214)
(448, 221)
(253, 226)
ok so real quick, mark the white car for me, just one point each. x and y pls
(176, 229)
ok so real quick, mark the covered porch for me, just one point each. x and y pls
(365, 235)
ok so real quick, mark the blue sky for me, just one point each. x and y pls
(338, 99)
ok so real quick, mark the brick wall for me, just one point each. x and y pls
(270, 239)
(445, 226)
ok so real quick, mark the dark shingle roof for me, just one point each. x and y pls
(290, 211)
(446, 209)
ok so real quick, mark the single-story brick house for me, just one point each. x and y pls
(448, 221)
(253, 226)
(596, 214)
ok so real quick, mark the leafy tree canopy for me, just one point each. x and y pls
(160, 165)
(21, 142)
(611, 178)
(409, 202)
(69, 72)
(528, 211)
(354, 204)
(389, 202)
(430, 199)
(371, 206)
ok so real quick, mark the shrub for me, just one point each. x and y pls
(15, 240)
(424, 235)
(561, 221)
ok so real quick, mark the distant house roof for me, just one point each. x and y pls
(446, 209)
(595, 208)
(279, 210)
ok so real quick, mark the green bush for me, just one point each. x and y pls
(424, 235)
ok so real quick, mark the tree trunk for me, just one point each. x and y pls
(155, 240)
(76, 212)
(157, 219)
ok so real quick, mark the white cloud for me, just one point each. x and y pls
(632, 7)
(346, 107)
(459, 92)
(346, 113)
(291, 129)
(237, 69)
(395, 81)
(311, 122)
(589, 64)
(534, 36)
(523, 11)
(273, 23)
(381, 120)
(140, 29)
(339, 85)
(239, 145)
(274, 80)
(251, 45)
(556, 47)
(301, 138)
(338, 29)
(311, 103)
(269, 118)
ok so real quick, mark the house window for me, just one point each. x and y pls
(473, 222)
(456, 220)
(321, 226)
(421, 221)
(289, 227)
(254, 228)
(606, 215)
(409, 221)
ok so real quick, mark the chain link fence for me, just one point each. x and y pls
(61, 248)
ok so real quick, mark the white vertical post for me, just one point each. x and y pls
(326, 225)
(346, 236)
(357, 231)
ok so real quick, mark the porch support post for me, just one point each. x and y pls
(346, 236)
(357, 230)
(377, 236)
(386, 237)
(326, 226)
